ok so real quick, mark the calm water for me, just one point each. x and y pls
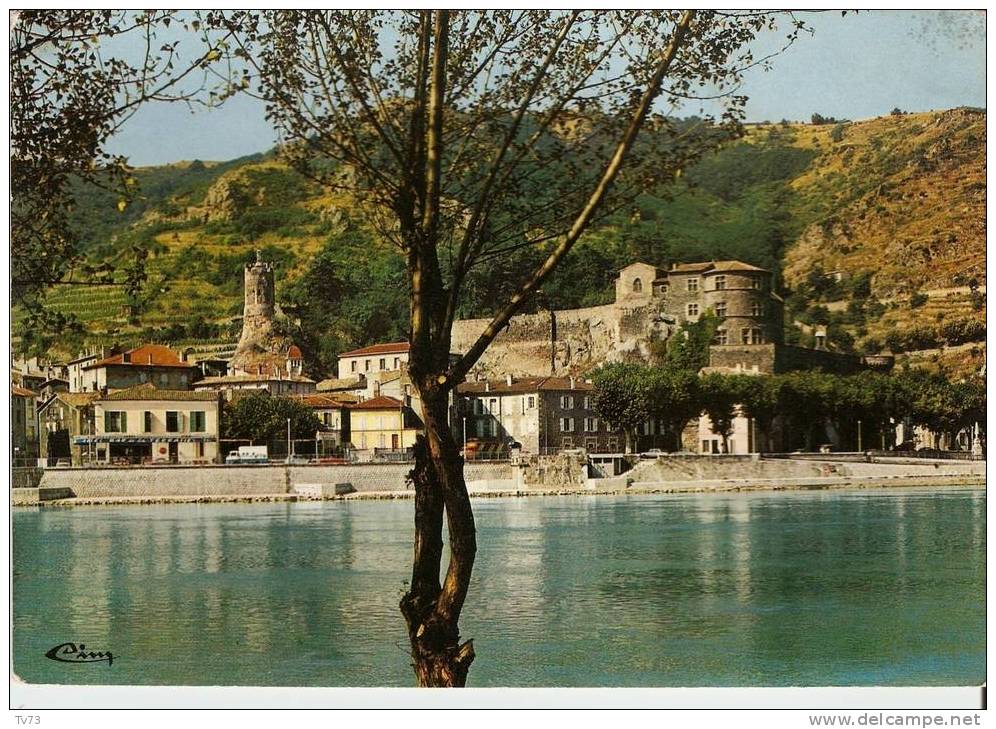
(874, 587)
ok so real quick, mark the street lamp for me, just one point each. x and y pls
(290, 443)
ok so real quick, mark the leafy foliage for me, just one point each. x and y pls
(262, 418)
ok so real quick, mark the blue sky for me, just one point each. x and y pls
(854, 67)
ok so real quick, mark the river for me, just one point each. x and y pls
(827, 588)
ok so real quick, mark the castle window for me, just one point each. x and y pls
(693, 310)
(383, 363)
(720, 308)
(721, 337)
(532, 402)
(756, 309)
(591, 425)
(693, 284)
(567, 425)
(753, 335)
(397, 363)
(720, 282)
(352, 366)
(366, 365)
(637, 286)
(566, 402)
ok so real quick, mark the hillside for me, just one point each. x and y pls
(873, 211)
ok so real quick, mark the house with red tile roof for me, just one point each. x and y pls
(155, 364)
(383, 427)
(365, 361)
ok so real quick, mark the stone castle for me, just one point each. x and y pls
(650, 305)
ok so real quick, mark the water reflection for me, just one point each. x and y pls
(739, 589)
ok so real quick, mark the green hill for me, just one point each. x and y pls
(872, 211)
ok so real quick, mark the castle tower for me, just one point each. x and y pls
(259, 300)
(257, 314)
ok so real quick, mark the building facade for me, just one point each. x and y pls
(62, 417)
(540, 414)
(23, 426)
(383, 426)
(151, 364)
(389, 357)
(144, 425)
(333, 412)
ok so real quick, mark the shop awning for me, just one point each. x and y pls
(145, 439)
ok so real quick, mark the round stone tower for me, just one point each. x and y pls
(257, 314)
(258, 290)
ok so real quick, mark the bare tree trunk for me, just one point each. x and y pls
(432, 610)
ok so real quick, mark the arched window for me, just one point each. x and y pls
(637, 286)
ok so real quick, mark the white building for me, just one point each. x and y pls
(145, 425)
(365, 361)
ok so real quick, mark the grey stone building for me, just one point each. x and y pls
(542, 414)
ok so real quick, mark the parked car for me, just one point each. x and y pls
(652, 453)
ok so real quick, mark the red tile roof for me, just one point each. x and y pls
(382, 402)
(294, 352)
(22, 391)
(392, 348)
(155, 355)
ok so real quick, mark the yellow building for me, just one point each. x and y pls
(383, 426)
(145, 425)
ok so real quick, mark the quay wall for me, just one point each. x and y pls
(676, 469)
(149, 481)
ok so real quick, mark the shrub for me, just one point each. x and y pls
(961, 331)
(917, 300)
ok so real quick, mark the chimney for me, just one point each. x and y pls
(508, 380)
(126, 357)
(572, 382)
(487, 386)
(150, 358)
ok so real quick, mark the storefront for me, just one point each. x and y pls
(127, 450)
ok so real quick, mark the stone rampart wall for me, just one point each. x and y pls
(580, 339)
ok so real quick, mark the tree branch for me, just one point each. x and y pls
(470, 358)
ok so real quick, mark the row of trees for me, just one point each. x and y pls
(628, 395)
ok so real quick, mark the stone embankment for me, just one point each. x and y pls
(555, 476)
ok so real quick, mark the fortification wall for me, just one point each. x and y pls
(571, 341)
